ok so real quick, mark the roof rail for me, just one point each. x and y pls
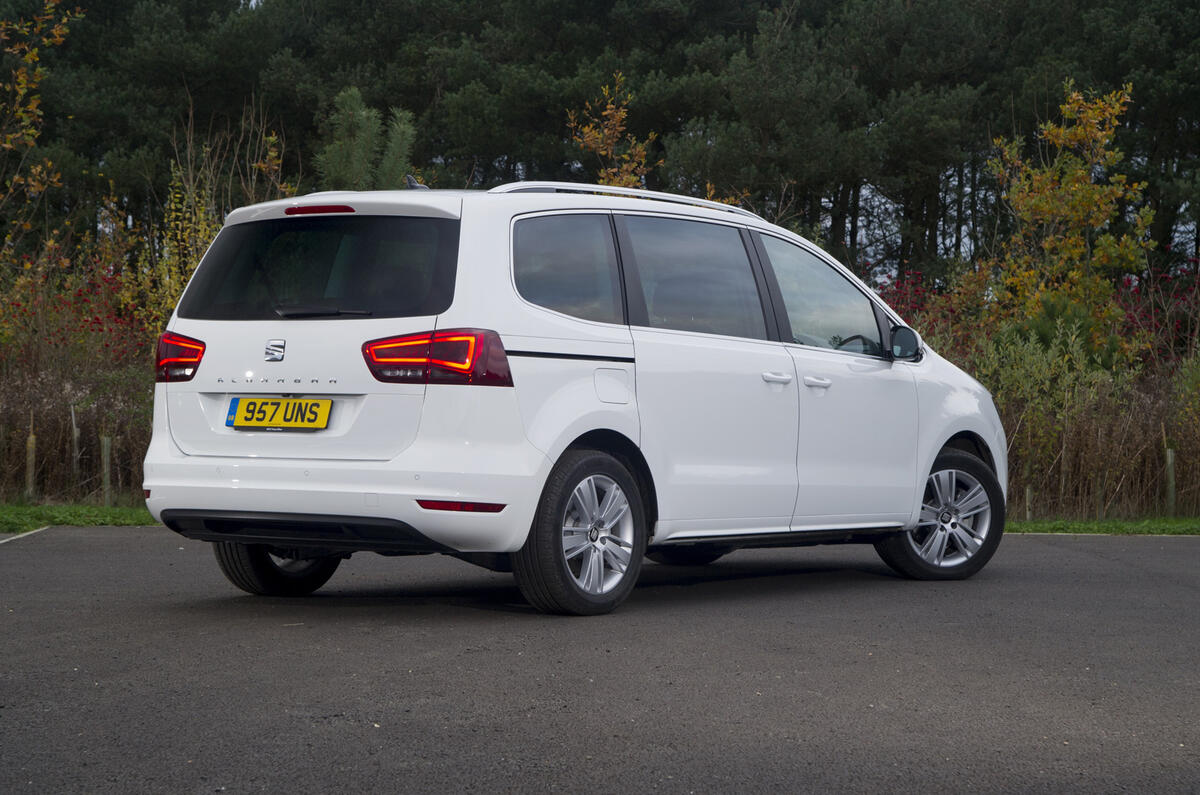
(637, 193)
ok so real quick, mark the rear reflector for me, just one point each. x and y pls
(318, 209)
(454, 356)
(178, 357)
(464, 507)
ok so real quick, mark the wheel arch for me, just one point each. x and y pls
(964, 439)
(973, 443)
(623, 449)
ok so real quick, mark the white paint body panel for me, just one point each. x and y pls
(857, 453)
(720, 440)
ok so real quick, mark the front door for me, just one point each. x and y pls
(857, 450)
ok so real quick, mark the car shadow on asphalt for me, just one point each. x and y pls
(659, 587)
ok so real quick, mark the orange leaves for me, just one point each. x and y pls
(600, 131)
(269, 166)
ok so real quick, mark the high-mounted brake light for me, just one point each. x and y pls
(177, 357)
(453, 356)
(318, 209)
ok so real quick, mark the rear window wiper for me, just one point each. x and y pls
(316, 310)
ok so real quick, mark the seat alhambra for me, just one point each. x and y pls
(554, 380)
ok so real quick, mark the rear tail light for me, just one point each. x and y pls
(454, 356)
(178, 357)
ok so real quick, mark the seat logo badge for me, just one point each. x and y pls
(274, 352)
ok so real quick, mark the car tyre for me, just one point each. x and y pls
(960, 524)
(255, 570)
(692, 555)
(585, 548)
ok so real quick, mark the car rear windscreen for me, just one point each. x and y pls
(347, 267)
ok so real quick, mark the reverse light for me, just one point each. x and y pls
(452, 356)
(177, 357)
(463, 507)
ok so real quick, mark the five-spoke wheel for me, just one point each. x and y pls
(585, 548)
(955, 518)
(597, 534)
(960, 524)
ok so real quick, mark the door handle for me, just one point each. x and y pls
(777, 378)
(816, 381)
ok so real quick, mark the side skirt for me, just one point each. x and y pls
(805, 538)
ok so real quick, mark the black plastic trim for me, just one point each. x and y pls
(636, 313)
(800, 538)
(581, 356)
(337, 533)
(766, 298)
(783, 322)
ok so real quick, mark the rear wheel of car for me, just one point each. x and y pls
(693, 555)
(959, 528)
(588, 537)
(254, 569)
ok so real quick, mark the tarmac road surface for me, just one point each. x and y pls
(1070, 664)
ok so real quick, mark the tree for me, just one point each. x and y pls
(361, 154)
(23, 177)
(1073, 234)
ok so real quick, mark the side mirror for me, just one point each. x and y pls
(906, 345)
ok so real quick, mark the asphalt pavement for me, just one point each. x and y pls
(1070, 664)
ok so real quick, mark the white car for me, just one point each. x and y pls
(557, 380)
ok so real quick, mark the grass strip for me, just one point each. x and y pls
(23, 518)
(1184, 526)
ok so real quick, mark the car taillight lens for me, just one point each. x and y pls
(178, 357)
(453, 356)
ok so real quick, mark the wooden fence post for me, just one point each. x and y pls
(1170, 482)
(1028, 493)
(31, 465)
(74, 451)
(106, 469)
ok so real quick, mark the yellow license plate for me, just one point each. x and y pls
(297, 414)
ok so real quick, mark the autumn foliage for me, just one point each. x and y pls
(1035, 272)
(600, 132)
(1090, 352)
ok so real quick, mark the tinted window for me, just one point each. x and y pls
(368, 266)
(824, 308)
(568, 263)
(696, 277)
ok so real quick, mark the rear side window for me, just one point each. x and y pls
(696, 277)
(364, 266)
(568, 263)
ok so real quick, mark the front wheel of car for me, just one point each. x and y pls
(584, 550)
(254, 569)
(959, 528)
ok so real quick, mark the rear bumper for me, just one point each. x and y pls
(333, 533)
(360, 505)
